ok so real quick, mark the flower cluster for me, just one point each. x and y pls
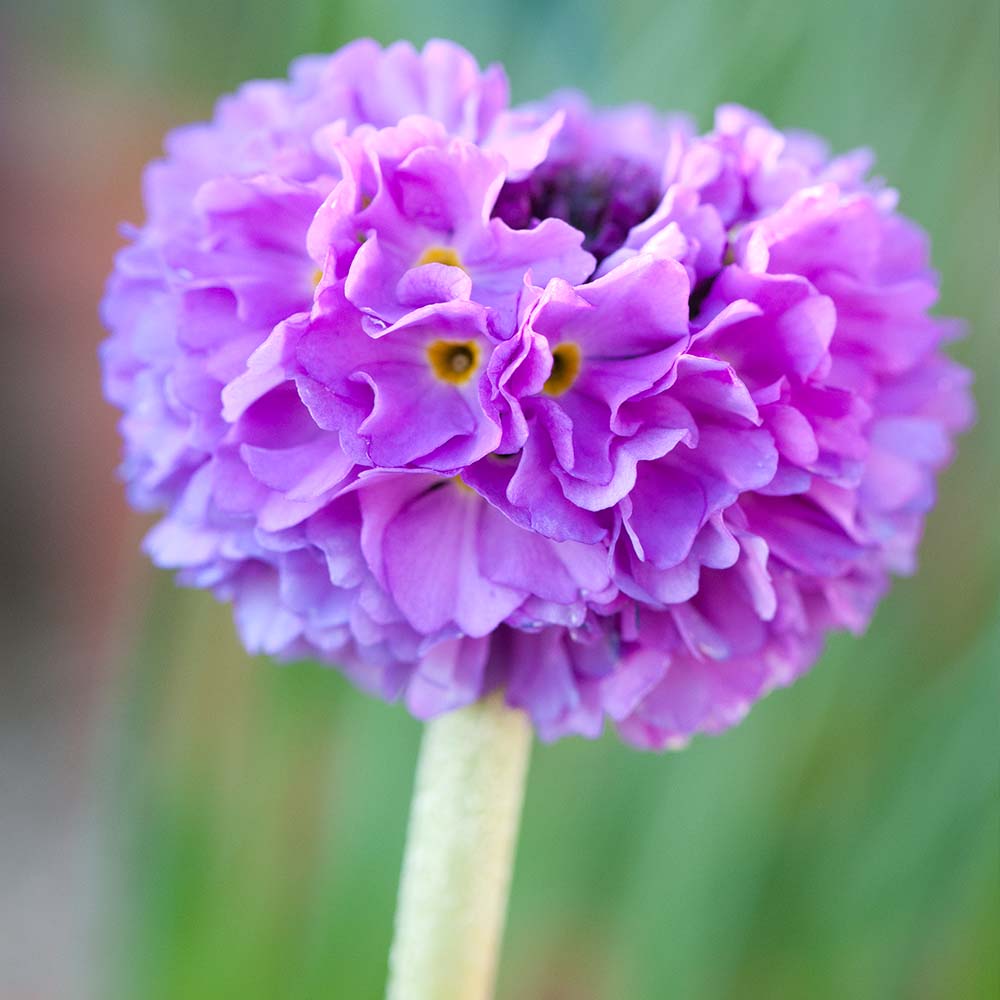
(571, 402)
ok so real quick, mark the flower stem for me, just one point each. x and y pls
(459, 851)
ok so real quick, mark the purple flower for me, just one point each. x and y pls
(570, 402)
(418, 204)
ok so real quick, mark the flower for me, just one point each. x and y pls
(574, 403)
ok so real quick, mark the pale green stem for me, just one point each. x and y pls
(459, 852)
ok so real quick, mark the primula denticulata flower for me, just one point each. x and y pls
(575, 403)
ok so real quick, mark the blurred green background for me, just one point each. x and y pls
(182, 822)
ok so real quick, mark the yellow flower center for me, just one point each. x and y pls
(565, 368)
(453, 361)
(317, 276)
(440, 255)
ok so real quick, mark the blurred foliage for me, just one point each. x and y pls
(843, 842)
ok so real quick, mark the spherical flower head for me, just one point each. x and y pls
(569, 402)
